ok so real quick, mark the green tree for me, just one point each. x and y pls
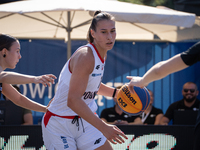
(154, 3)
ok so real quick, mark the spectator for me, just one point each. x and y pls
(115, 115)
(22, 116)
(189, 102)
(151, 115)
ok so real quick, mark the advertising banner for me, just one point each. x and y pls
(125, 59)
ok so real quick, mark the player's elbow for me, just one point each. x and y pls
(18, 100)
(71, 101)
(2, 77)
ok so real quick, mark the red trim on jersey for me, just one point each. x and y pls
(73, 54)
(48, 115)
(68, 66)
(102, 60)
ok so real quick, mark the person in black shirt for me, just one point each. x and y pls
(114, 115)
(16, 115)
(189, 102)
(151, 115)
(164, 68)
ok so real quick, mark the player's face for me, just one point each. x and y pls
(189, 92)
(105, 34)
(13, 55)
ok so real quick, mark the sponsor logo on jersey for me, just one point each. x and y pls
(64, 140)
(89, 95)
(102, 67)
(97, 67)
(96, 74)
(97, 141)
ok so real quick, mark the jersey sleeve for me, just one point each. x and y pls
(192, 55)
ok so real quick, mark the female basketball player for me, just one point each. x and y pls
(9, 57)
(71, 122)
(164, 68)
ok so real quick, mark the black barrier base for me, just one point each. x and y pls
(140, 137)
(28, 136)
(182, 135)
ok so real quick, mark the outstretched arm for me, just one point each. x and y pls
(158, 71)
(107, 91)
(17, 78)
(164, 68)
(11, 93)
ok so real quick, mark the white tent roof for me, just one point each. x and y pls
(70, 19)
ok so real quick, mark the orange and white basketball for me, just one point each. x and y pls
(133, 103)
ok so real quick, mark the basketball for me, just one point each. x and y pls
(133, 103)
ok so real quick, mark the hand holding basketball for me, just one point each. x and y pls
(133, 103)
(136, 81)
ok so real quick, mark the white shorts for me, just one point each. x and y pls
(61, 134)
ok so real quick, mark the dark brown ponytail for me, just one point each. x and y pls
(6, 41)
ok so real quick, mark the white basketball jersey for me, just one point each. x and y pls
(59, 104)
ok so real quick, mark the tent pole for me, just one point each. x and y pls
(69, 35)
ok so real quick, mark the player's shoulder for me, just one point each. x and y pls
(193, 50)
(84, 55)
(197, 101)
(157, 110)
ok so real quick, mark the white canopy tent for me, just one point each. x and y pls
(70, 19)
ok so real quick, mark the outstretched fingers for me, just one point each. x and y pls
(135, 81)
(120, 133)
(130, 87)
(50, 78)
(129, 77)
(118, 137)
(45, 79)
